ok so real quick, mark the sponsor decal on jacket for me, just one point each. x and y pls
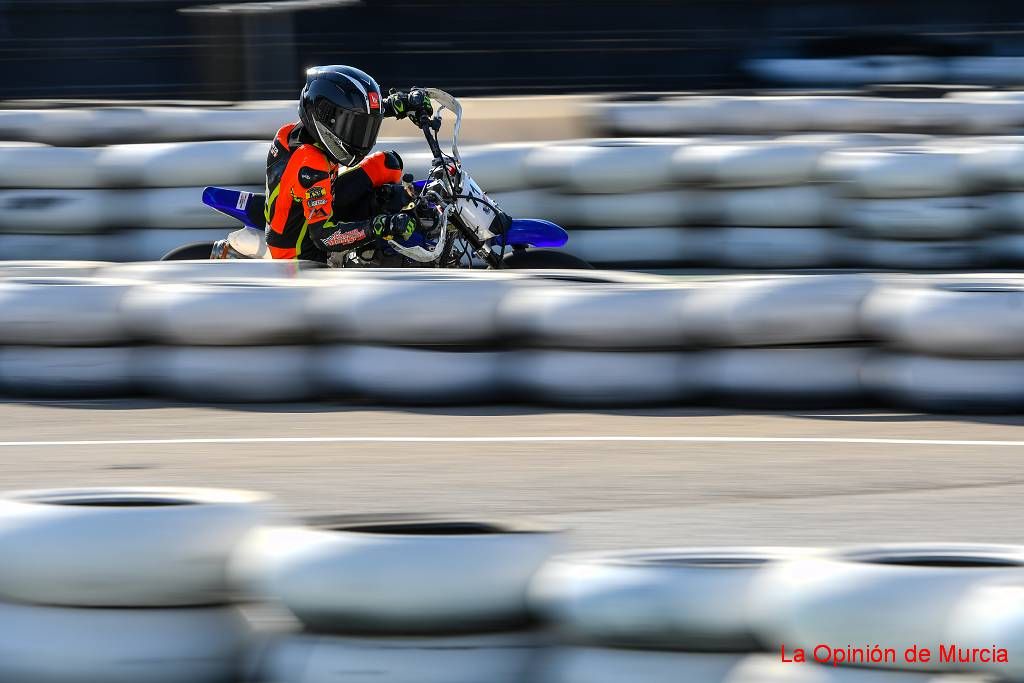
(310, 176)
(315, 193)
(316, 202)
(340, 238)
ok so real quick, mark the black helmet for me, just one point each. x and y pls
(341, 107)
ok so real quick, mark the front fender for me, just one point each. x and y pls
(535, 232)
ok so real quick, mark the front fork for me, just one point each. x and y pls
(483, 250)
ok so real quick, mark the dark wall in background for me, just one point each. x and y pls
(148, 49)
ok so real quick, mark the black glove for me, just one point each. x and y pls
(395, 226)
(413, 103)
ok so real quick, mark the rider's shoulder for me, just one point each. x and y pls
(308, 154)
(283, 133)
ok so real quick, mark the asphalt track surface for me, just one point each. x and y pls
(615, 479)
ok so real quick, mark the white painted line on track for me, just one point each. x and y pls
(511, 439)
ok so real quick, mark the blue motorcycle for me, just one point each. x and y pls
(471, 229)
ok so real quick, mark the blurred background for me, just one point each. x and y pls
(161, 49)
(712, 135)
(755, 387)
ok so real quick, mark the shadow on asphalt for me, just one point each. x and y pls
(860, 414)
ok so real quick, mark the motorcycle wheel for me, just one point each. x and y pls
(197, 251)
(544, 258)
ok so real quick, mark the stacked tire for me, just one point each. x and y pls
(616, 197)
(408, 598)
(652, 616)
(763, 199)
(63, 336)
(122, 585)
(902, 598)
(908, 207)
(795, 340)
(952, 345)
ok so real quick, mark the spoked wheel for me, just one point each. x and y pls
(544, 258)
(197, 251)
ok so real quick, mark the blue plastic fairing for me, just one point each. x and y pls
(230, 202)
(535, 232)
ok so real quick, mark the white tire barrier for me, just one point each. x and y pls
(240, 313)
(397, 375)
(1005, 210)
(849, 70)
(601, 377)
(770, 247)
(819, 309)
(931, 218)
(217, 271)
(898, 172)
(569, 664)
(97, 547)
(794, 376)
(121, 645)
(754, 115)
(637, 210)
(222, 162)
(749, 164)
(496, 658)
(80, 372)
(761, 668)
(154, 244)
(612, 166)
(58, 247)
(173, 207)
(898, 255)
(688, 598)
(997, 165)
(498, 168)
(896, 596)
(59, 127)
(418, 310)
(243, 374)
(978, 319)
(35, 269)
(946, 384)
(90, 211)
(792, 207)
(49, 167)
(990, 615)
(401, 576)
(636, 246)
(605, 665)
(62, 311)
(995, 70)
(595, 316)
(525, 204)
(117, 125)
(998, 250)
(72, 212)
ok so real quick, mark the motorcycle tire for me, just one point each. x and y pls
(533, 259)
(196, 251)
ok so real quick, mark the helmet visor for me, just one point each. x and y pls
(355, 130)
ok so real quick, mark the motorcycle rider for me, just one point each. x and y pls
(320, 175)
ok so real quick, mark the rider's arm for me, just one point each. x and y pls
(331, 231)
